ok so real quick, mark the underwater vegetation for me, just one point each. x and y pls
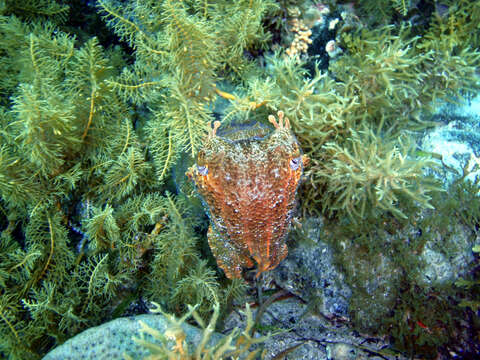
(92, 224)
(160, 335)
(236, 344)
(395, 292)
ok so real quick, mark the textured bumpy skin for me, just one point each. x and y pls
(248, 180)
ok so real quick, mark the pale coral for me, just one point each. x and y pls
(301, 38)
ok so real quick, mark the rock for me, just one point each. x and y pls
(447, 257)
(309, 272)
(456, 139)
(341, 352)
(307, 335)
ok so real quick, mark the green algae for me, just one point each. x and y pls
(90, 133)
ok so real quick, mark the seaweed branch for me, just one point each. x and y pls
(91, 280)
(9, 324)
(50, 254)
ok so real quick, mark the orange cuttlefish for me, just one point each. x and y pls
(248, 180)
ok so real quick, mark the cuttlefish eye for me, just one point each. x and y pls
(295, 163)
(202, 170)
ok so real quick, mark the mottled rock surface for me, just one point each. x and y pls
(303, 334)
(443, 264)
(309, 273)
(456, 138)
